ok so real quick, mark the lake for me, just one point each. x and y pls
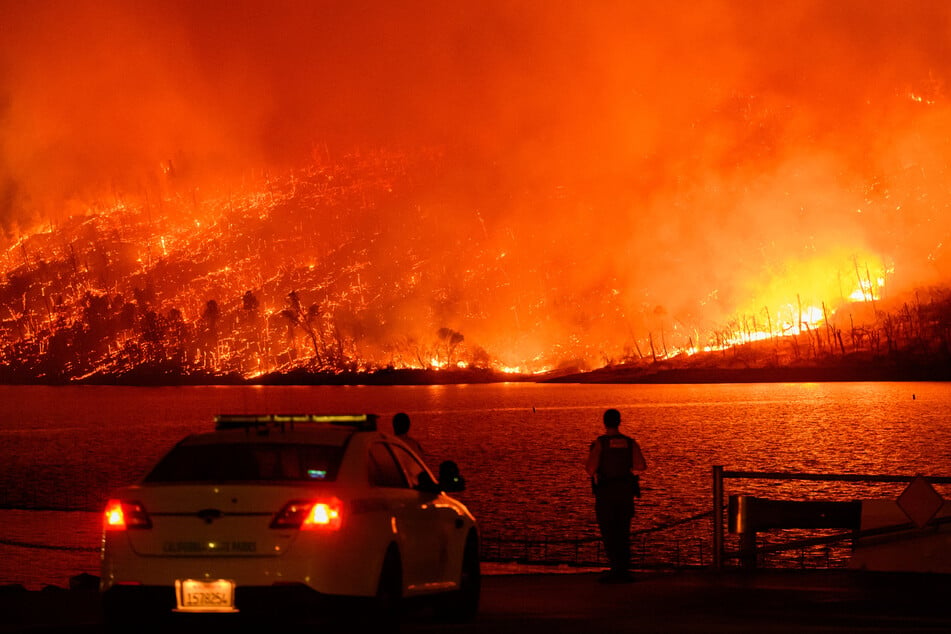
(520, 446)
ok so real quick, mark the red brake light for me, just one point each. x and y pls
(310, 515)
(120, 515)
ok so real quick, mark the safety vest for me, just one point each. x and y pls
(617, 457)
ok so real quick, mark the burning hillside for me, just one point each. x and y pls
(550, 187)
(356, 265)
(296, 271)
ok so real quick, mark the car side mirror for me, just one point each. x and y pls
(450, 479)
(426, 484)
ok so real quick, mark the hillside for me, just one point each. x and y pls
(375, 268)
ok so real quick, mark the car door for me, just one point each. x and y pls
(436, 522)
(412, 519)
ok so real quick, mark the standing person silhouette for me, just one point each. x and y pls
(613, 461)
(401, 429)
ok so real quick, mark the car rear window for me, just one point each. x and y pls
(248, 462)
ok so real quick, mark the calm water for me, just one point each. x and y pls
(520, 446)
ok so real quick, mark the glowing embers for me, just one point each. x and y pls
(199, 286)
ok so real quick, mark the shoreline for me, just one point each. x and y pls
(662, 372)
(779, 374)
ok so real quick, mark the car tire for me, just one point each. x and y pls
(463, 604)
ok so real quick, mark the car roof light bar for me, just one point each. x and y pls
(362, 422)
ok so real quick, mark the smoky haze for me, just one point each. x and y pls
(686, 161)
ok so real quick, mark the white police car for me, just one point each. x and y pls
(275, 513)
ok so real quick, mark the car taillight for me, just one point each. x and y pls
(120, 515)
(310, 515)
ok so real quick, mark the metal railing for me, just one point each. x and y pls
(720, 475)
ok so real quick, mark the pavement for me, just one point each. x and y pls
(683, 601)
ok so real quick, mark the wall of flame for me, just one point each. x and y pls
(609, 175)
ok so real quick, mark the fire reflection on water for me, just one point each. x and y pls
(521, 448)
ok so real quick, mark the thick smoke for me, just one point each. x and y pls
(666, 165)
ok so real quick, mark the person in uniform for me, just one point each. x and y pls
(614, 462)
(401, 429)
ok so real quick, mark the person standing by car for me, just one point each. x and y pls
(401, 429)
(614, 460)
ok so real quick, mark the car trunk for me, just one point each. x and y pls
(215, 520)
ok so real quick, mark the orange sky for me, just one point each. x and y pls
(708, 147)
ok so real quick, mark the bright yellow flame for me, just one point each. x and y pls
(804, 294)
(867, 290)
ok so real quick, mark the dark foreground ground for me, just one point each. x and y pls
(691, 601)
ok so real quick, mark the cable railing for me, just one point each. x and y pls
(654, 547)
(649, 549)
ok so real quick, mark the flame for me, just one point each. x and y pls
(651, 183)
(254, 308)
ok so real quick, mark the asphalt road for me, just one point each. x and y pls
(686, 601)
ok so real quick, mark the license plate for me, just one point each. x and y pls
(195, 595)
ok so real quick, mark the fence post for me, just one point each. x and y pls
(717, 517)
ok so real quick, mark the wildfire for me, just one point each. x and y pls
(766, 184)
(248, 285)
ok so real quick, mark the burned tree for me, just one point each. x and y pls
(305, 320)
(450, 339)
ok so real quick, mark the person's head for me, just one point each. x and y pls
(400, 424)
(612, 418)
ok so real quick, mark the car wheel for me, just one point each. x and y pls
(463, 604)
(389, 593)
